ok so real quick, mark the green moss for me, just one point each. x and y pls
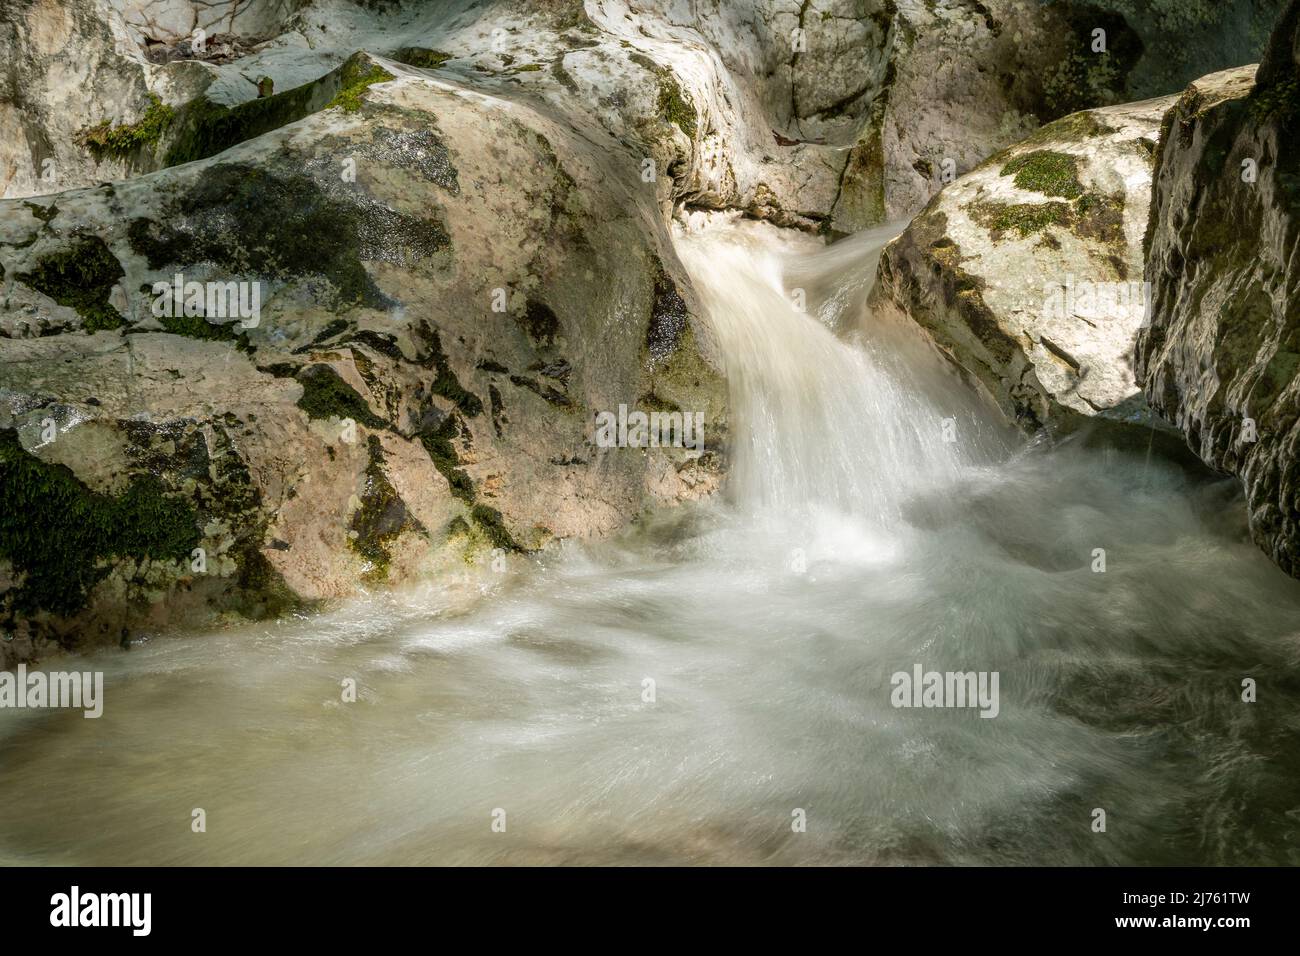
(540, 322)
(1046, 171)
(198, 327)
(563, 76)
(438, 443)
(674, 106)
(381, 518)
(421, 57)
(325, 395)
(81, 277)
(43, 213)
(1025, 218)
(1092, 216)
(121, 140)
(355, 81)
(1280, 102)
(57, 532)
(445, 383)
(492, 525)
(528, 68)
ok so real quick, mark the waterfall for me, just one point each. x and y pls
(677, 693)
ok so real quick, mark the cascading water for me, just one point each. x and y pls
(686, 691)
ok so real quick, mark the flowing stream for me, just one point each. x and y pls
(853, 542)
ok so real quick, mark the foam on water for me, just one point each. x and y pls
(852, 542)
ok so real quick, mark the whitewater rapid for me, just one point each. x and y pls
(684, 692)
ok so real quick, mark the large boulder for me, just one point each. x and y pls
(830, 115)
(451, 287)
(1221, 355)
(1027, 271)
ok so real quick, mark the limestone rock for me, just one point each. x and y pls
(1222, 352)
(1027, 271)
(450, 286)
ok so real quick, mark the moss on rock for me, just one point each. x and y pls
(281, 223)
(381, 519)
(81, 276)
(122, 140)
(1046, 171)
(355, 79)
(438, 442)
(421, 57)
(325, 395)
(674, 105)
(59, 534)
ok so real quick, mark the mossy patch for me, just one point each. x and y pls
(279, 223)
(421, 57)
(445, 383)
(120, 141)
(81, 276)
(540, 322)
(1046, 171)
(1280, 103)
(439, 443)
(563, 76)
(355, 79)
(674, 105)
(57, 532)
(381, 519)
(202, 128)
(325, 395)
(1091, 216)
(198, 327)
(1024, 218)
(490, 521)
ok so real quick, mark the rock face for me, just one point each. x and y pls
(830, 115)
(967, 79)
(411, 306)
(1027, 271)
(64, 63)
(1222, 352)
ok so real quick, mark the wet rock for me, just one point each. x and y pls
(1221, 355)
(1027, 271)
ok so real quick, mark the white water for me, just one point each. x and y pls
(1119, 690)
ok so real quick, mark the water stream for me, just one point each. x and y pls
(852, 542)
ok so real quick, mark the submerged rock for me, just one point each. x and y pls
(1221, 355)
(1027, 271)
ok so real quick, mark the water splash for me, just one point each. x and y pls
(770, 676)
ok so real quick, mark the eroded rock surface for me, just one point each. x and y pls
(451, 286)
(1220, 358)
(1027, 271)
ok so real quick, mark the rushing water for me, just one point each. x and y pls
(853, 542)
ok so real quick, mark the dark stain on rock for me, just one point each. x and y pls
(80, 276)
(540, 323)
(283, 224)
